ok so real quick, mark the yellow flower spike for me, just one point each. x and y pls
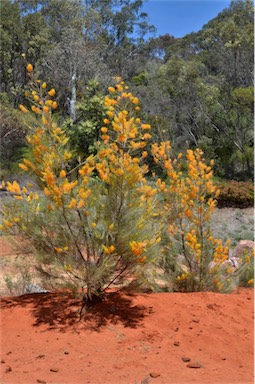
(80, 204)
(110, 114)
(22, 108)
(250, 282)
(93, 225)
(62, 173)
(7, 223)
(188, 213)
(137, 108)
(119, 172)
(58, 250)
(36, 98)
(13, 187)
(44, 121)
(49, 207)
(105, 137)
(44, 85)
(135, 100)
(111, 89)
(119, 88)
(36, 110)
(54, 105)
(146, 136)
(145, 126)
(68, 267)
(45, 109)
(47, 192)
(29, 68)
(111, 227)
(141, 259)
(23, 167)
(104, 129)
(52, 92)
(108, 250)
(106, 121)
(72, 204)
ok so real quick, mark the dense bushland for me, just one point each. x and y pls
(196, 91)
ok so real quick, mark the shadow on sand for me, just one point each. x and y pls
(61, 311)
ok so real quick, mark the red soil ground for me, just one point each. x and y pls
(128, 338)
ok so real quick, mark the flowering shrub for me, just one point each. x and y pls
(187, 212)
(98, 221)
(92, 225)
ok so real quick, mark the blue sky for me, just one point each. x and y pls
(181, 17)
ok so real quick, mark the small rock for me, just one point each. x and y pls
(41, 381)
(8, 369)
(195, 320)
(195, 364)
(177, 343)
(8, 353)
(66, 353)
(33, 288)
(3, 361)
(40, 356)
(54, 369)
(176, 329)
(185, 359)
(224, 358)
(154, 374)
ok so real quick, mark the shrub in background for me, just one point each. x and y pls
(236, 194)
(12, 135)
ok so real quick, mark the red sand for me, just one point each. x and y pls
(128, 338)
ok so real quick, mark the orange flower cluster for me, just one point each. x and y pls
(138, 249)
(189, 200)
(39, 97)
(123, 154)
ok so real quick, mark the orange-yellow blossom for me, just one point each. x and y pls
(52, 92)
(22, 108)
(29, 68)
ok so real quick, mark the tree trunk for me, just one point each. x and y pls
(73, 99)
